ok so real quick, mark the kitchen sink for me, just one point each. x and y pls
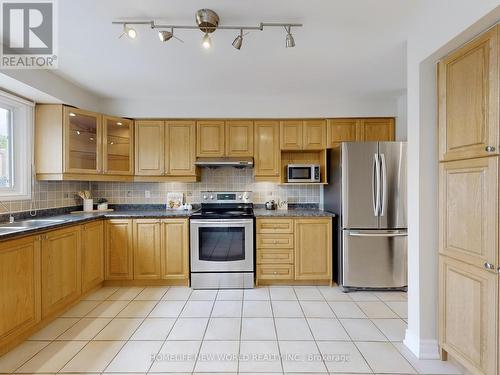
(26, 224)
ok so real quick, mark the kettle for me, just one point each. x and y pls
(270, 205)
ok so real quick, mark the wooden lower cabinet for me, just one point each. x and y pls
(20, 287)
(92, 255)
(146, 249)
(175, 249)
(313, 249)
(468, 304)
(60, 269)
(118, 248)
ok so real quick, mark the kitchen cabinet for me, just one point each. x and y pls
(118, 146)
(239, 138)
(376, 130)
(342, 130)
(267, 153)
(291, 137)
(20, 288)
(468, 306)
(313, 249)
(175, 249)
(118, 248)
(180, 148)
(60, 269)
(146, 237)
(303, 135)
(210, 138)
(468, 80)
(150, 148)
(92, 255)
(360, 130)
(314, 135)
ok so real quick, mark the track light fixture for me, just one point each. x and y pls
(238, 41)
(128, 31)
(289, 41)
(206, 41)
(165, 35)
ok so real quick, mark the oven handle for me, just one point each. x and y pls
(221, 221)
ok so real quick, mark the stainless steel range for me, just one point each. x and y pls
(222, 241)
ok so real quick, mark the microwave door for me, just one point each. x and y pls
(299, 174)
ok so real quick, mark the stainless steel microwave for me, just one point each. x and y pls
(303, 173)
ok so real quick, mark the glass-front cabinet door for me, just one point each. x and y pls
(118, 146)
(82, 148)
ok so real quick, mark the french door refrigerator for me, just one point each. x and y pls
(367, 190)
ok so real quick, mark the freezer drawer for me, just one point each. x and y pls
(374, 259)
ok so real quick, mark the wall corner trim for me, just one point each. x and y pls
(422, 349)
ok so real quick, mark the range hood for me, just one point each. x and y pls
(224, 162)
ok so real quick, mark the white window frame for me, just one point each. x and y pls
(22, 147)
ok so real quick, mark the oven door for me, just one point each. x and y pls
(221, 245)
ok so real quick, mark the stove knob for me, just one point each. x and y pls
(245, 197)
(239, 197)
(211, 197)
(205, 197)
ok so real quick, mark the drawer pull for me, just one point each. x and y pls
(489, 148)
(489, 266)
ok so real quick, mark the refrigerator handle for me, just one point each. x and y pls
(383, 198)
(386, 234)
(375, 185)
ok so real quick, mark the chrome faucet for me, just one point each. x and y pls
(11, 217)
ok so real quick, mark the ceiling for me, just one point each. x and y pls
(356, 47)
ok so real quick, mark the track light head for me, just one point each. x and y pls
(129, 31)
(206, 41)
(165, 35)
(289, 41)
(238, 41)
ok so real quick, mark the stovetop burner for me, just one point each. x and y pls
(225, 205)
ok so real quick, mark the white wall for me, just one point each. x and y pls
(402, 118)
(440, 26)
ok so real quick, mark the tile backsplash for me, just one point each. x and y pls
(54, 194)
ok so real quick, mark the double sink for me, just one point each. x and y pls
(28, 224)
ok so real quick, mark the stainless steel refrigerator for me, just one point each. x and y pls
(367, 190)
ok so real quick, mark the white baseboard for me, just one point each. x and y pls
(422, 349)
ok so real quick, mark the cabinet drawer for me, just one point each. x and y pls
(271, 256)
(275, 272)
(275, 241)
(274, 226)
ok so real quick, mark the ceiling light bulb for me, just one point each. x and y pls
(129, 31)
(91, 138)
(119, 123)
(165, 35)
(78, 132)
(206, 41)
(71, 114)
(238, 41)
(289, 42)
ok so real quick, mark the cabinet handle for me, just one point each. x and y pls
(489, 266)
(489, 148)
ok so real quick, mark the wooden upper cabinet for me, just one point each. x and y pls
(82, 141)
(118, 249)
(61, 269)
(342, 130)
(313, 249)
(468, 212)
(92, 255)
(146, 237)
(376, 130)
(175, 249)
(291, 134)
(149, 148)
(118, 146)
(267, 153)
(468, 99)
(180, 148)
(239, 138)
(210, 138)
(314, 135)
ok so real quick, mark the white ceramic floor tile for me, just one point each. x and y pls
(301, 356)
(362, 330)
(392, 296)
(54, 329)
(218, 356)
(333, 293)
(180, 293)
(363, 296)
(154, 329)
(126, 294)
(203, 295)
(152, 293)
(258, 329)
(53, 357)
(19, 355)
(230, 295)
(287, 309)
(327, 329)
(427, 366)
(393, 329)
(188, 329)
(176, 356)
(383, 357)
(376, 310)
(197, 309)
(227, 309)
(256, 294)
(259, 356)
(94, 357)
(119, 329)
(135, 356)
(292, 329)
(137, 309)
(108, 309)
(308, 293)
(81, 309)
(257, 309)
(101, 294)
(343, 357)
(282, 294)
(346, 310)
(400, 308)
(317, 309)
(223, 329)
(85, 329)
(167, 309)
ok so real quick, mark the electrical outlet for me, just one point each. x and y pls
(147, 194)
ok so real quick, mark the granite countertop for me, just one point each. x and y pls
(298, 212)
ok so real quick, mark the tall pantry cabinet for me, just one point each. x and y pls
(469, 259)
